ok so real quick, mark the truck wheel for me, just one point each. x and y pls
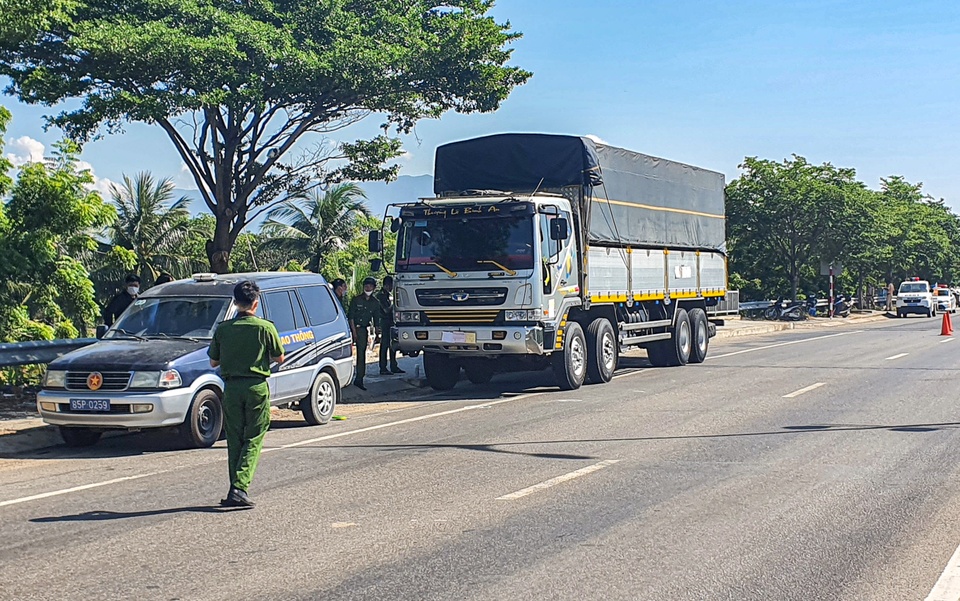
(204, 421)
(676, 351)
(479, 372)
(79, 437)
(570, 364)
(701, 335)
(603, 351)
(442, 371)
(320, 402)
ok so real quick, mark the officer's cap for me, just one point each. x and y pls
(370, 281)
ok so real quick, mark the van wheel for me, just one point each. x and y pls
(79, 437)
(570, 364)
(204, 421)
(603, 351)
(442, 371)
(322, 399)
(701, 335)
(479, 372)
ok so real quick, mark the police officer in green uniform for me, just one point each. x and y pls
(363, 311)
(387, 349)
(243, 349)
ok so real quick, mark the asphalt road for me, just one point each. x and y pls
(811, 464)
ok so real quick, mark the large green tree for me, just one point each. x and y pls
(782, 215)
(310, 230)
(238, 87)
(47, 223)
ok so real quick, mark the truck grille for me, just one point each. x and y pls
(462, 317)
(462, 297)
(112, 380)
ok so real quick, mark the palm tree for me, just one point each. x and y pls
(152, 224)
(311, 228)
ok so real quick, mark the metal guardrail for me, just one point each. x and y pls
(728, 305)
(40, 352)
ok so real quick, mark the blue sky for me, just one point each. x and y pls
(869, 85)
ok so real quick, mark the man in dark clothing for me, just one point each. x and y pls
(339, 286)
(387, 349)
(121, 301)
(363, 312)
(243, 348)
(163, 278)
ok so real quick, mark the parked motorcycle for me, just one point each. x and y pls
(842, 305)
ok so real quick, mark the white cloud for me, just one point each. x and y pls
(100, 184)
(25, 150)
(405, 156)
(597, 139)
(184, 179)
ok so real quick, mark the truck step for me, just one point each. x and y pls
(644, 325)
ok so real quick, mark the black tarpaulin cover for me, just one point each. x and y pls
(637, 200)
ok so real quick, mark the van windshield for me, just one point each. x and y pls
(170, 317)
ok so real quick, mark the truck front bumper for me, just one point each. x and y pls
(474, 340)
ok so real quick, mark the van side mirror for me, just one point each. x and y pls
(375, 241)
(559, 229)
(376, 265)
(102, 330)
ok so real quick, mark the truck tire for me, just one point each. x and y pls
(701, 335)
(320, 402)
(603, 351)
(442, 371)
(570, 364)
(480, 371)
(79, 437)
(675, 351)
(204, 421)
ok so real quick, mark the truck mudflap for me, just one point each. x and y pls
(470, 340)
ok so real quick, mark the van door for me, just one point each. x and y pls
(332, 338)
(283, 309)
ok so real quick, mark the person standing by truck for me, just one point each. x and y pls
(387, 348)
(890, 292)
(364, 311)
(243, 348)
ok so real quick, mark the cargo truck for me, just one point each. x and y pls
(551, 251)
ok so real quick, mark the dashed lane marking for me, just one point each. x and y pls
(896, 356)
(797, 393)
(558, 480)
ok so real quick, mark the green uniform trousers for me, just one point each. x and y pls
(246, 416)
(362, 341)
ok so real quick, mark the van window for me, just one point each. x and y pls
(319, 304)
(297, 310)
(280, 310)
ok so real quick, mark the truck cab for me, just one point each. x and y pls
(490, 275)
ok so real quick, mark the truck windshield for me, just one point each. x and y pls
(466, 244)
(170, 317)
(914, 287)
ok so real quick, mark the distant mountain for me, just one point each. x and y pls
(405, 188)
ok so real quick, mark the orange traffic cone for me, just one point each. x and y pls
(947, 328)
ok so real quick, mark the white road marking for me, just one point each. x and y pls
(946, 340)
(896, 356)
(76, 489)
(558, 480)
(769, 346)
(947, 587)
(797, 393)
(343, 524)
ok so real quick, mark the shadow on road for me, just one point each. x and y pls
(98, 516)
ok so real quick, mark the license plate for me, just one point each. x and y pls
(460, 337)
(99, 405)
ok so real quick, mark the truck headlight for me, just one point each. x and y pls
(55, 378)
(408, 316)
(522, 314)
(168, 378)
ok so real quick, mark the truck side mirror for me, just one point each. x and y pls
(375, 241)
(395, 224)
(102, 330)
(559, 229)
(376, 265)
